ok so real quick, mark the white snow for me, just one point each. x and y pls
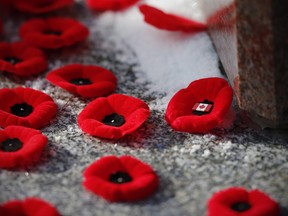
(206, 153)
(169, 60)
(190, 9)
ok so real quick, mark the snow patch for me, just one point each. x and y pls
(169, 60)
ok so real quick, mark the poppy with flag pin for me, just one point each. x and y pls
(201, 107)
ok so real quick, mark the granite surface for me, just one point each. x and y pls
(191, 167)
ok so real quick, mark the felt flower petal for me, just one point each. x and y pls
(238, 201)
(170, 22)
(6, 2)
(20, 146)
(87, 81)
(22, 59)
(114, 5)
(126, 105)
(120, 179)
(135, 166)
(113, 117)
(1, 26)
(25, 107)
(28, 207)
(104, 167)
(53, 33)
(41, 6)
(201, 106)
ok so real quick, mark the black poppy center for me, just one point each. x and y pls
(120, 178)
(51, 32)
(114, 120)
(81, 81)
(241, 206)
(12, 60)
(203, 108)
(11, 145)
(21, 110)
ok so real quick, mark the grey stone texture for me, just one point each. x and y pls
(190, 167)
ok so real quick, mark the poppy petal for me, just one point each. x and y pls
(137, 180)
(97, 129)
(21, 59)
(221, 102)
(13, 98)
(43, 6)
(29, 206)
(31, 141)
(1, 26)
(42, 115)
(170, 22)
(238, 201)
(130, 112)
(12, 208)
(126, 105)
(135, 166)
(180, 114)
(102, 106)
(209, 87)
(199, 125)
(183, 102)
(53, 33)
(114, 5)
(140, 189)
(99, 81)
(135, 120)
(33, 108)
(104, 167)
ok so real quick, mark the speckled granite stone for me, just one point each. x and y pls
(191, 167)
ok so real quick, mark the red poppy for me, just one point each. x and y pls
(113, 117)
(20, 146)
(170, 22)
(114, 5)
(21, 59)
(238, 201)
(41, 6)
(120, 179)
(29, 207)
(201, 106)
(87, 81)
(25, 107)
(53, 33)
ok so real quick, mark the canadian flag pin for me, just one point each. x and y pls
(202, 108)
